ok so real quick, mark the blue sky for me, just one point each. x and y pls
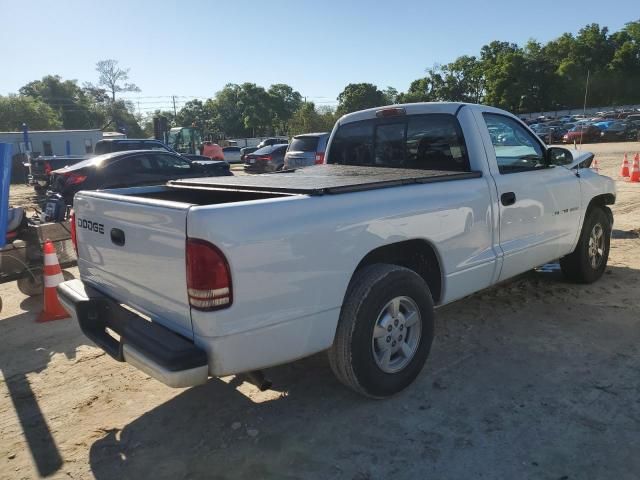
(193, 48)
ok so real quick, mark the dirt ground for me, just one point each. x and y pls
(536, 378)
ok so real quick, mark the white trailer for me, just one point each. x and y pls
(53, 142)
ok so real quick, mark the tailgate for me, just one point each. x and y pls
(133, 250)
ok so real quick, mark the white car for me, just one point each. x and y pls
(232, 154)
(416, 207)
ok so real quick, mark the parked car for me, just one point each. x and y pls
(130, 168)
(544, 133)
(305, 150)
(349, 257)
(246, 151)
(232, 154)
(604, 124)
(582, 133)
(266, 159)
(272, 141)
(40, 168)
(217, 166)
(620, 132)
(557, 133)
(123, 144)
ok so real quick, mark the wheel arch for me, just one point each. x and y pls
(418, 255)
(602, 201)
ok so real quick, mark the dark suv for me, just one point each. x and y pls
(123, 144)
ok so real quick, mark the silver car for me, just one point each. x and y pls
(232, 154)
(307, 149)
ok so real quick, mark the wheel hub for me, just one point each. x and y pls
(396, 334)
(595, 249)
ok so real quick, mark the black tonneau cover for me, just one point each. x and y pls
(325, 179)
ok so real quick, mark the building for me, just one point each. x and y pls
(53, 142)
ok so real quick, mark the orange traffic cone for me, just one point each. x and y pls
(52, 273)
(635, 169)
(595, 167)
(624, 170)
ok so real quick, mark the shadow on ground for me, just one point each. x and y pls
(31, 347)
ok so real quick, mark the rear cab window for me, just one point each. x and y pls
(424, 142)
(304, 144)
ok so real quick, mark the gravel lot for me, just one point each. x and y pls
(536, 378)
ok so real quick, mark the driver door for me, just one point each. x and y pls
(534, 200)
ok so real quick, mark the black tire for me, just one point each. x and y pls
(578, 266)
(352, 354)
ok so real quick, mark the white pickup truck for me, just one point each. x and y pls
(416, 206)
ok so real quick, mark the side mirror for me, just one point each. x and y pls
(558, 156)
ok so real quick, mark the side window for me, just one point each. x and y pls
(516, 149)
(46, 147)
(435, 142)
(171, 165)
(353, 144)
(123, 172)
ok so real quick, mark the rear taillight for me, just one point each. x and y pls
(208, 276)
(47, 168)
(319, 158)
(264, 158)
(74, 237)
(74, 178)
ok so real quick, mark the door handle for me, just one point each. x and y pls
(508, 198)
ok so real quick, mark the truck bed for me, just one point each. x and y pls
(324, 179)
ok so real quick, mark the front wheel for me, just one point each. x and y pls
(587, 262)
(385, 331)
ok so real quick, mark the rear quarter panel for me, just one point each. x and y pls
(294, 257)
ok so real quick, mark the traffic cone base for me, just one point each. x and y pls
(52, 309)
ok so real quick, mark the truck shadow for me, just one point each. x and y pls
(28, 348)
(467, 397)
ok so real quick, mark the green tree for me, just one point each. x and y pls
(284, 102)
(227, 111)
(359, 96)
(255, 103)
(73, 104)
(18, 109)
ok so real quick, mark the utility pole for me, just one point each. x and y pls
(175, 113)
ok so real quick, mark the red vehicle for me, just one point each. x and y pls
(582, 134)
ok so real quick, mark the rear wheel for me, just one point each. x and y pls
(587, 262)
(385, 331)
(31, 285)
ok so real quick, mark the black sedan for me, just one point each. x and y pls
(266, 159)
(130, 168)
(620, 132)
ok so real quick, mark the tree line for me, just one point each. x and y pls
(531, 78)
